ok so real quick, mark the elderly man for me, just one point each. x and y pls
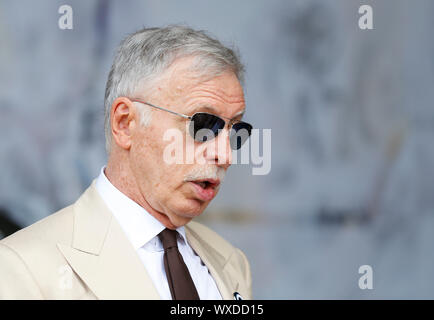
(130, 234)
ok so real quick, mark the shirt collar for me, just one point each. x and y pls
(138, 224)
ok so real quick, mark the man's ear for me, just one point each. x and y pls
(123, 119)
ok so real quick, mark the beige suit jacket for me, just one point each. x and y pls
(81, 252)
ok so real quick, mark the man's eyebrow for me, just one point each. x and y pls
(206, 107)
(213, 110)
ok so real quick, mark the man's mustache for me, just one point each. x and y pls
(206, 172)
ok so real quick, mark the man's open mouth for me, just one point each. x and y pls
(206, 189)
(205, 184)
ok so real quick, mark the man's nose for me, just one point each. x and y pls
(219, 151)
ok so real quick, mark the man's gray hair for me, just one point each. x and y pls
(147, 53)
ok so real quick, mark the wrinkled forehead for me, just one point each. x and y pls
(183, 75)
(182, 86)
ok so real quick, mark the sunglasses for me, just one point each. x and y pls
(206, 126)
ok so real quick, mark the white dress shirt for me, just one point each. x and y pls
(142, 230)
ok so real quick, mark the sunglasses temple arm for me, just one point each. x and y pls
(164, 109)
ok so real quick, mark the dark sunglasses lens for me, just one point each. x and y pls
(204, 126)
(240, 132)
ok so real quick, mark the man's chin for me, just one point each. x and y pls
(186, 210)
(192, 209)
(190, 214)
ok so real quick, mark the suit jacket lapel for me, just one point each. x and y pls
(102, 255)
(215, 263)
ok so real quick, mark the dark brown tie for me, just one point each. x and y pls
(180, 283)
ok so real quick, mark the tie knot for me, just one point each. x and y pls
(168, 238)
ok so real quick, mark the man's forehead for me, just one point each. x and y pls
(191, 93)
(182, 75)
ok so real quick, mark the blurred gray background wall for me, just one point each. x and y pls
(351, 113)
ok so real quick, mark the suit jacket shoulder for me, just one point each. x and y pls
(30, 262)
(53, 228)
